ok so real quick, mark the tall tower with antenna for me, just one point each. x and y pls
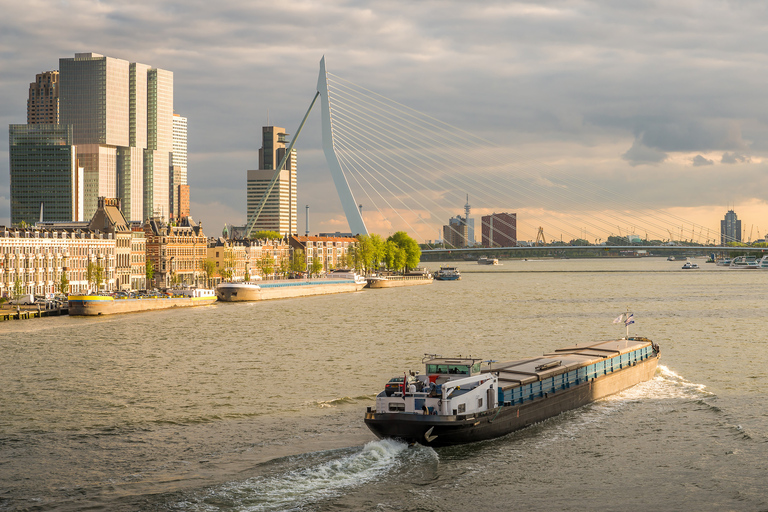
(470, 224)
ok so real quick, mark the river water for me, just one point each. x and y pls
(259, 406)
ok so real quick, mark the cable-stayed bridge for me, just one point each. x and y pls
(396, 168)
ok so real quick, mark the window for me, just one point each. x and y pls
(462, 408)
(397, 406)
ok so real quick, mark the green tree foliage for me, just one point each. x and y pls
(17, 288)
(98, 276)
(266, 235)
(411, 251)
(63, 283)
(149, 272)
(298, 261)
(317, 266)
(209, 268)
(579, 242)
(267, 264)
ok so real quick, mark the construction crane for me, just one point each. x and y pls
(540, 237)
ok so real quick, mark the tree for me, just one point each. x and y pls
(349, 257)
(63, 283)
(299, 261)
(371, 250)
(89, 271)
(266, 235)
(267, 264)
(411, 249)
(285, 266)
(209, 268)
(317, 266)
(17, 288)
(149, 272)
(98, 276)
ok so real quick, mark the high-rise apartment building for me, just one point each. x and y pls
(122, 119)
(43, 100)
(280, 210)
(730, 228)
(178, 173)
(46, 181)
(456, 233)
(499, 230)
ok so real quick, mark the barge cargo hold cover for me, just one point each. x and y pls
(459, 400)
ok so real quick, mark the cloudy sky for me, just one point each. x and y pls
(665, 99)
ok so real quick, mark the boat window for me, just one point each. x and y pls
(476, 368)
(396, 406)
(462, 408)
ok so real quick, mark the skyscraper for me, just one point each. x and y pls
(280, 210)
(178, 185)
(45, 178)
(121, 114)
(43, 100)
(499, 230)
(730, 228)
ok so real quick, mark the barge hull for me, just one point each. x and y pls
(451, 430)
(96, 305)
(267, 292)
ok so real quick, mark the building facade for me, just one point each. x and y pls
(43, 100)
(730, 228)
(33, 260)
(176, 252)
(280, 210)
(456, 232)
(178, 188)
(499, 230)
(331, 250)
(46, 181)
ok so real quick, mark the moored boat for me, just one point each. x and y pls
(94, 305)
(744, 262)
(462, 400)
(448, 274)
(335, 282)
(487, 261)
(689, 266)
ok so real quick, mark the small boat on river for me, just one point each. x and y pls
(488, 261)
(463, 399)
(448, 274)
(744, 263)
(689, 266)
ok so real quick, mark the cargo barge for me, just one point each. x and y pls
(338, 282)
(462, 400)
(94, 305)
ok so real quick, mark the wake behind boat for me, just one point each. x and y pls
(340, 281)
(462, 400)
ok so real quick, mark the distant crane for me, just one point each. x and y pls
(540, 237)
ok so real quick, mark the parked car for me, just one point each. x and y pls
(24, 299)
(395, 385)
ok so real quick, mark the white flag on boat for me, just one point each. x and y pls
(619, 319)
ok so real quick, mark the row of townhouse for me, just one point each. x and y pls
(240, 259)
(33, 260)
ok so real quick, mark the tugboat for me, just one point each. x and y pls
(462, 400)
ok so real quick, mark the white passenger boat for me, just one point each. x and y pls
(448, 274)
(744, 262)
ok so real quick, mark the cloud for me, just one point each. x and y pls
(640, 154)
(734, 158)
(699, 160)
